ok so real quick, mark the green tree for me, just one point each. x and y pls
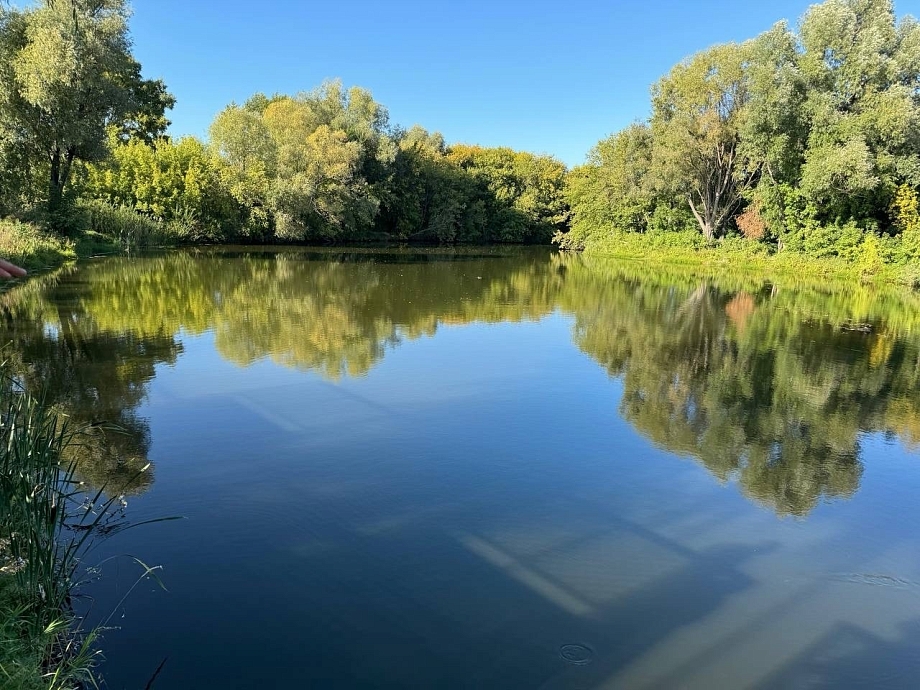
(698, 110)
(147, 122)
(326, 165)
(66, 75)
(774, 128)
(240, 137)
(834, 119)
(808, 139)
(419, 197)
(312, 166)
(318, 191)
(523, 193)
(612, 191)
(862, 68)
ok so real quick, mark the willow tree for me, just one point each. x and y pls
(862, 67)
(66, 75)
(697, 116)
(310, 165)
(241, 139)
(318, 190)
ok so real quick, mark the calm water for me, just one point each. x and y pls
(491, 469)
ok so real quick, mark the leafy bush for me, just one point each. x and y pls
(632, 243)
(735, 244)
(834, 240)
(182, 183)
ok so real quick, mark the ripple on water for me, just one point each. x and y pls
(577, 654)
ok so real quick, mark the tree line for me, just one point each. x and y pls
(326, 166)
(804, 139)
(83, 135)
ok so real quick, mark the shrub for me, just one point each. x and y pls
(751, 223)
(905, 210)
(834, 240)
(670, 218)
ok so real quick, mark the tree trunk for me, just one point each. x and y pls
(61, 166)
(66, 168)
(706, 224)
(55, 188)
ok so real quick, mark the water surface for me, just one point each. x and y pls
(491, 468)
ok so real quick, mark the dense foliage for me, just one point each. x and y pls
(802, 140)
(326, 166)
(80, 130)
(66, 77)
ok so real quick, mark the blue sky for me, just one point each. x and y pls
(550, 77)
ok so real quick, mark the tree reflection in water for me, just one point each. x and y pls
(770, 384)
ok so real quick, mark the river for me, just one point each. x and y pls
(488, 468)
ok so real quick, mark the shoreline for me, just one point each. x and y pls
(39, 251)
(42, 642)
(738, 257)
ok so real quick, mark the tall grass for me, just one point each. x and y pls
(25, 244)
(130, 230)
(125, 227)
(47, 524)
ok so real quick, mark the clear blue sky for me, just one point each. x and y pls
(550, 77)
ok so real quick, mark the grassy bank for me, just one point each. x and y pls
(734, 255)
(29, 246)
(40, 647)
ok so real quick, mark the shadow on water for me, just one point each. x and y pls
(852, 657)
(413, 604)
(411, 601)
(375, 255)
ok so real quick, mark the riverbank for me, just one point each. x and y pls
(33, 630)
(35, 249)
(736, 255)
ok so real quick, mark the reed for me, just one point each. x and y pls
(48, 522)
(125, 227)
